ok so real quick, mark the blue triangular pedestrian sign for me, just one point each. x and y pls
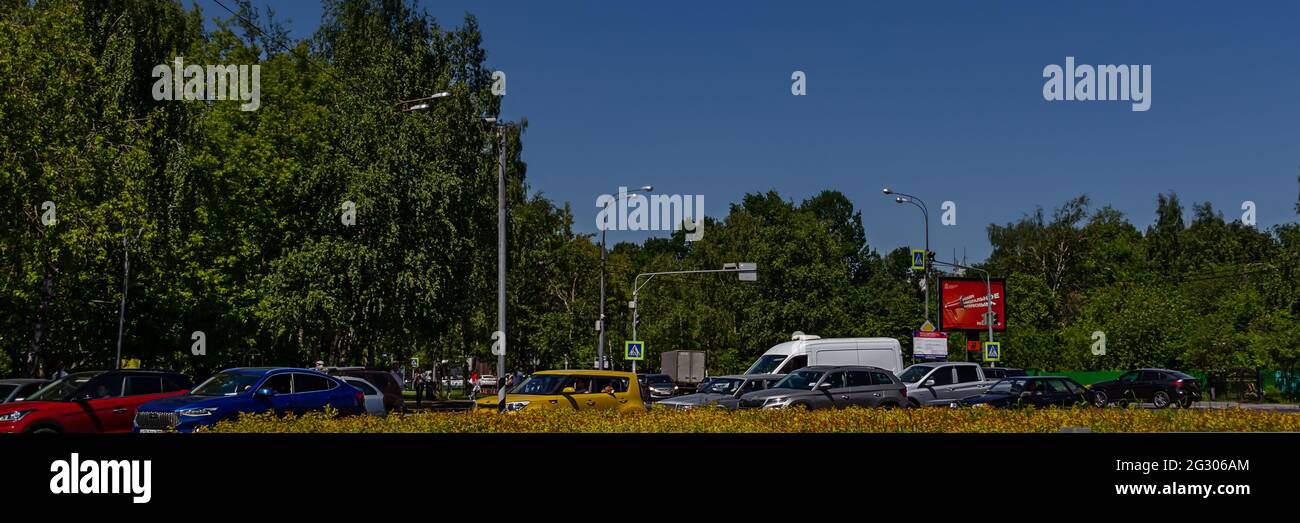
(992, 351)
(634, 350)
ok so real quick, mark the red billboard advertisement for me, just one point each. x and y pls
(963, 304)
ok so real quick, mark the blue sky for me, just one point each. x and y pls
(938, 99)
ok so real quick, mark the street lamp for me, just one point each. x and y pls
(600, 325)
(500, 130)
(925, 213)
(419, 104)
(747, 272)
(127, 239)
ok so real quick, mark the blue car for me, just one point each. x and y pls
(249, 390)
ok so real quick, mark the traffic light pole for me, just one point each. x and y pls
(637, 284)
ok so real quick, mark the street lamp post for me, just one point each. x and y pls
(748, 272)
(925, 213)
(600, 326)
(424, 103)
(127, 239)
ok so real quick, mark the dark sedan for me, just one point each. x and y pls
(1030, 391)
(1160, 387)
(18, 389)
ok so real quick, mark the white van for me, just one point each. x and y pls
(804, 350)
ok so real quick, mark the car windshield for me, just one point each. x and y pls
(766, 364)
(662, 379)
(226, 384)
(541, 384)
(802, 380)
(1008, 386)
(914, 373)
(5, 389)
(63, 388)
(721, 386)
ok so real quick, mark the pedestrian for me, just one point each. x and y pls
(419, 389)
(519, 377)
(320, 366)
(474, 384)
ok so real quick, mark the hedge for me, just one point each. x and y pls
(848, 420)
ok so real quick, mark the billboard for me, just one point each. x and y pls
(962, 304)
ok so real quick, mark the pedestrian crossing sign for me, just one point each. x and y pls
(918, 260)
(992, 351)
(635, 350)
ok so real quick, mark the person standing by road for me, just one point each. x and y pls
(474, 385)
(419, 389)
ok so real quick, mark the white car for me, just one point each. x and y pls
(487, 380)
(374, 398)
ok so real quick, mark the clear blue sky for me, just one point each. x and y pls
(942, 100)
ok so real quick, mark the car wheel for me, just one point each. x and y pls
(802, 407)
(888, 405)
(1099, 399)
(1185, 403)
(1160, 399)
(45, 430)
(913, 403)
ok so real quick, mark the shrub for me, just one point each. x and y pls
(937, 420)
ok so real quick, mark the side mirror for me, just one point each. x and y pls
(1025, 394)
(928, 383)
(825, 385)
(569, 390)
(264, 392)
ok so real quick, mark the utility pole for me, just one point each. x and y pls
(127, 239)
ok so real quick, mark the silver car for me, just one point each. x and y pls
(825, 387)
(722, 391)
(943, 383)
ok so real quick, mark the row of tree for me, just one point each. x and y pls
(330, 225)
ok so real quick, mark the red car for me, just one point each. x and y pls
(98, 401)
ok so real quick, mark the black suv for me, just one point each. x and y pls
(1160, 387)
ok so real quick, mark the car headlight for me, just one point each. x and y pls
(16, 415)
(205, 411)
(771, 402)
(983, 405)
(516, 405)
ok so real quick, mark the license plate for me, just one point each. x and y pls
(150, 431)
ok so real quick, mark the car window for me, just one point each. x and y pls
(5, 390)
(365, 387)
(1070, 386)
(838, 380)
(858, 378)
(1050, 386)
(795, 363)
(169, 385)
(1149, 375)
(994, 374)
(753, 385)
(942, 376)
(311, 383)
(104, 387)
(967, 374)
(880, 378)
(582, 384)
(1129, 376)
(141, 385)
(28, 390)
(280, 383)
(608, 385)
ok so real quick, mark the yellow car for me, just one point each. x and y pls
(574, 389)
